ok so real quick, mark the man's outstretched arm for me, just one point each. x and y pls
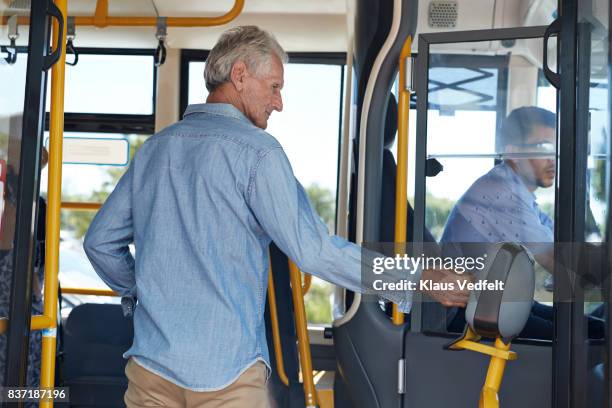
(282, 208)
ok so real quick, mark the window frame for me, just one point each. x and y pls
(92, 122)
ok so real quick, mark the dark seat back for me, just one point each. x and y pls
(95, 337)
(293, 395)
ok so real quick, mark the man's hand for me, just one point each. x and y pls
(449, 295)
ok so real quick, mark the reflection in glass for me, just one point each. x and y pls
(593, 108)
(12, 83)
(498, 153)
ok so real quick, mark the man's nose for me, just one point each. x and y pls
(277, 102)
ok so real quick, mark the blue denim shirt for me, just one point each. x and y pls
(498, 207)
(201, 201)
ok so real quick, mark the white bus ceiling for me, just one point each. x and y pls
(300, 25)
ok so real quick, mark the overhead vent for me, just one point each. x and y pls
(20, 5)
(443, 14)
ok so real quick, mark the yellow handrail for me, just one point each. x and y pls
(301, 328)
(39, 322)
(401, 188)
(89, 291)
(85, 206)
(307, 283)
(489, 395)
(101, 19)
(278, 350)
(54, 198)
(499, 354)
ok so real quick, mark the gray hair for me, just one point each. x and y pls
(248, 44)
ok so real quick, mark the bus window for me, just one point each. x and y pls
(102, 89)
(107, 84)
(465, 106)
(308, 130)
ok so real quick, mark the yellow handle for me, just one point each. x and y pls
(401, 187)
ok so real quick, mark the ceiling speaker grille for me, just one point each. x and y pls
(443, 14)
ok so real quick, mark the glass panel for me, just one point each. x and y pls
(120, 84)
(197, 91)
(308, 130)
(593, 109)
(496, 143)
(461, 88)
(13, 85)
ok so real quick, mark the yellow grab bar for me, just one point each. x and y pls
(489, 395)
(39, 322)
(401, 187)
(278, 350)
(54, 198)
(89, 291)
(307, 283)
(301, 328)
(101, 19)
(85, 206)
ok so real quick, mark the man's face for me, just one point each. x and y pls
(261, 93)
(538, 172)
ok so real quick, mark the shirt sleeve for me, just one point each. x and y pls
(283, 210)
(109, 236)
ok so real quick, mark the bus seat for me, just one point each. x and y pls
(95, 337)
(492, 313)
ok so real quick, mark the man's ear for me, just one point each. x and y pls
(238, 75)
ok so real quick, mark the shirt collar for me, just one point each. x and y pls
(221, 109)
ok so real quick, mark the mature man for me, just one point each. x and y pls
(501, 205)
(201, 202)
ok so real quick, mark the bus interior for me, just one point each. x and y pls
(392, 110)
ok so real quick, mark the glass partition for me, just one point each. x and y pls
(22, 77)
(593, 122)
(490, 161)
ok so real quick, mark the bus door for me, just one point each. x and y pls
(582, 296)
(25, 59)
(467, 194)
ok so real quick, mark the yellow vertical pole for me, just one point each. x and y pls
(489, 397)
(278, 350)
(56, 128)
(301, 327)
(401, 187)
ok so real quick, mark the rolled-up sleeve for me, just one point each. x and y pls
(283, 210)
(109, 236)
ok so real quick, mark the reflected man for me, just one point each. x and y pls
(501, 205)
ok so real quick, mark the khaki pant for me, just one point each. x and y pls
(146, 389)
